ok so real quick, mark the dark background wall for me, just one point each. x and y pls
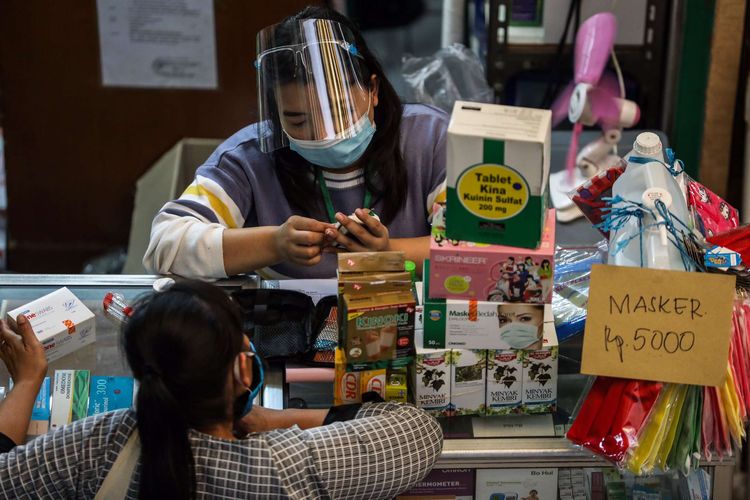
(75, 148)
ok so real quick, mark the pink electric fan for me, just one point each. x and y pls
(592, 98)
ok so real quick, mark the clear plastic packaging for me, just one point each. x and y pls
(452, 73)
(571, 287)
(115, 306)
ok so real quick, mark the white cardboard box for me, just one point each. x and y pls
(468, 381)
(70, 397)
(61, 322)
(461, 324)
(497, 168)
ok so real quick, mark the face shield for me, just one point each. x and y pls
(312, 83)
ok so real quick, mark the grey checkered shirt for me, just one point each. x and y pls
(385, 450)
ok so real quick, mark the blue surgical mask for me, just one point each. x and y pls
(242, 406)
(337, 152)
(519, 335)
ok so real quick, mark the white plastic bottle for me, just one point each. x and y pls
(646, 183)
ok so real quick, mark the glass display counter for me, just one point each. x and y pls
(471, 442)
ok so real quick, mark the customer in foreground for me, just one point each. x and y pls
(195, 432)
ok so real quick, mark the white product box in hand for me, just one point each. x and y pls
(468, 370)
(61, 322)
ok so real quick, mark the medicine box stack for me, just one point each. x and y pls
(71, 395)
(496, 273)
(488, 282)
(376, 326)
(451, 382)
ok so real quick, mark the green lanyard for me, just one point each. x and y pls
(329, 203)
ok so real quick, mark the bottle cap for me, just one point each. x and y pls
(411, 266)
(647, 143)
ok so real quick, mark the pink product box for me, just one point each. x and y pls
(465, 270)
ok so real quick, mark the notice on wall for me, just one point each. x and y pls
(157, 43)
(666, 326)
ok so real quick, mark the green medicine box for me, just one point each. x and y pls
(497, 169)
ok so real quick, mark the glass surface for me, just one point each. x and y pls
(103, 357)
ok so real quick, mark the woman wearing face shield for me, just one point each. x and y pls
(332, 140)
(194, 432)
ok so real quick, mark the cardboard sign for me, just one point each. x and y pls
(667, 326)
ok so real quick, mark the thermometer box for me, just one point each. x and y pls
(467, 270)
(61, 322)
(497, 169)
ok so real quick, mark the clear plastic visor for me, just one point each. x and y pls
(312, 83)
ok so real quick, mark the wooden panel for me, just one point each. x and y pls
(74, 148)
(721, 94)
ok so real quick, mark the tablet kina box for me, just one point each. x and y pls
(497, 168)
(467, 270)
(61, 322)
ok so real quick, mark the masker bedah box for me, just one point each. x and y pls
(61, 322)
(497, 168)
(468, 324)
(464, 324)
(478, 271)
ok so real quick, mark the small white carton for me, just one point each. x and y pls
(468, 371)
(504, 382)
(497, 167)
(540, 375)
(433, 383)
(61, 322)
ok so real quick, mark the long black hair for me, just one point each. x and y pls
(385, 172)
(180, 345)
